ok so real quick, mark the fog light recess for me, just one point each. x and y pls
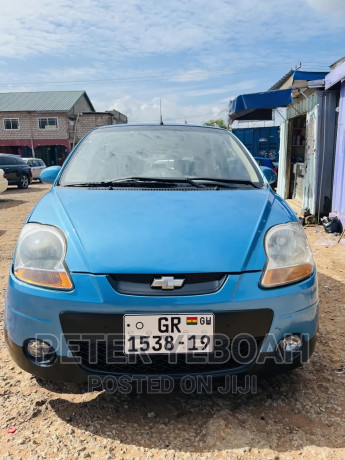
(39, 352)
(291, 343)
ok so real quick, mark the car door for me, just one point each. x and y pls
(34, 168)
(40, 167)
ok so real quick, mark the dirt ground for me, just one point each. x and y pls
(293, 416)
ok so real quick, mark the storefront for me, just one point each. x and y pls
(51, 151)
(307, 139)
(19, 147)
(307, 152)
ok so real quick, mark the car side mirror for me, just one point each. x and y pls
(269, 174)
(49, 175)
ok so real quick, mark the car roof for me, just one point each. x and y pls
(180, 125)
(262, 158)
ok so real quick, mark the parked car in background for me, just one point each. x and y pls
(17, 172)
(37, 166)
(3, 181)
(138, 266)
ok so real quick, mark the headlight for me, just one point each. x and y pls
(40, 257)
(289, 257)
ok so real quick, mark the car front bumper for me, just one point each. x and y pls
(94, 307)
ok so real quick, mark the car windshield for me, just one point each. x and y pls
(158, 152)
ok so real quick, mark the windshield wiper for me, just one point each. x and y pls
(223, 182)
(137, 182)
(167, 181)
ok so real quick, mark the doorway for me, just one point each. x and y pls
(297, 158)
(52, 155)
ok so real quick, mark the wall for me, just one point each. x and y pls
(319, 162)
(261, 142)
(325, 147)
(338, 201)
(82, 105)
(301, 106)
(118, 117)
(28, 126)
(85, 122)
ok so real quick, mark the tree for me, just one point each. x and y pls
(219, 122)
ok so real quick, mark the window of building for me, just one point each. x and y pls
(11, 123)
(48, 123)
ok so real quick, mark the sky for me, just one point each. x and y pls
(192, 55)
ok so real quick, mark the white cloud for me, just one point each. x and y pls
(148, 110)
(112, 29)
(242, 86)
(195, 75)
(131, 51)
(330, 7)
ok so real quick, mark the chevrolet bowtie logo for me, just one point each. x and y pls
(167, 282)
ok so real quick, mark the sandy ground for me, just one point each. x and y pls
(293, 416)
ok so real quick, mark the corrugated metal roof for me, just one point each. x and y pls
(56, 101)
(283, 80)
(297, 75)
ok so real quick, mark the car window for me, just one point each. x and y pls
(11, 160)
(260, 162)
(19, 161)
(161, 151)
(3, 160)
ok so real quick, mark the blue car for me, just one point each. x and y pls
(160, 250)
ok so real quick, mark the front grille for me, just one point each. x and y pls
(194, 284)
(106, 356)
(96, 341)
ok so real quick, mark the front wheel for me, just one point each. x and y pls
(23, 181)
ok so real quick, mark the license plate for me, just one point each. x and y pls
(166, 334)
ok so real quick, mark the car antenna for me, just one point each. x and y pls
(160, 112)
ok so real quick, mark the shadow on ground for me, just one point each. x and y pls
(14, 190)
(6, 204)
(285, 413)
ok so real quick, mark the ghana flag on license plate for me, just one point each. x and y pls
(192, 320)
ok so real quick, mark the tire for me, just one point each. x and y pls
(23, 181)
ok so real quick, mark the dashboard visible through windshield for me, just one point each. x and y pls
(158, 152)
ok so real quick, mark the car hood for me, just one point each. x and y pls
(163, 232)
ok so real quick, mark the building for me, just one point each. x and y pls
(47, 124)
(335, 80)
(85, 121)
(307, 136)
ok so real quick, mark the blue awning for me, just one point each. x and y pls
(258, 106)
(302, 75)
